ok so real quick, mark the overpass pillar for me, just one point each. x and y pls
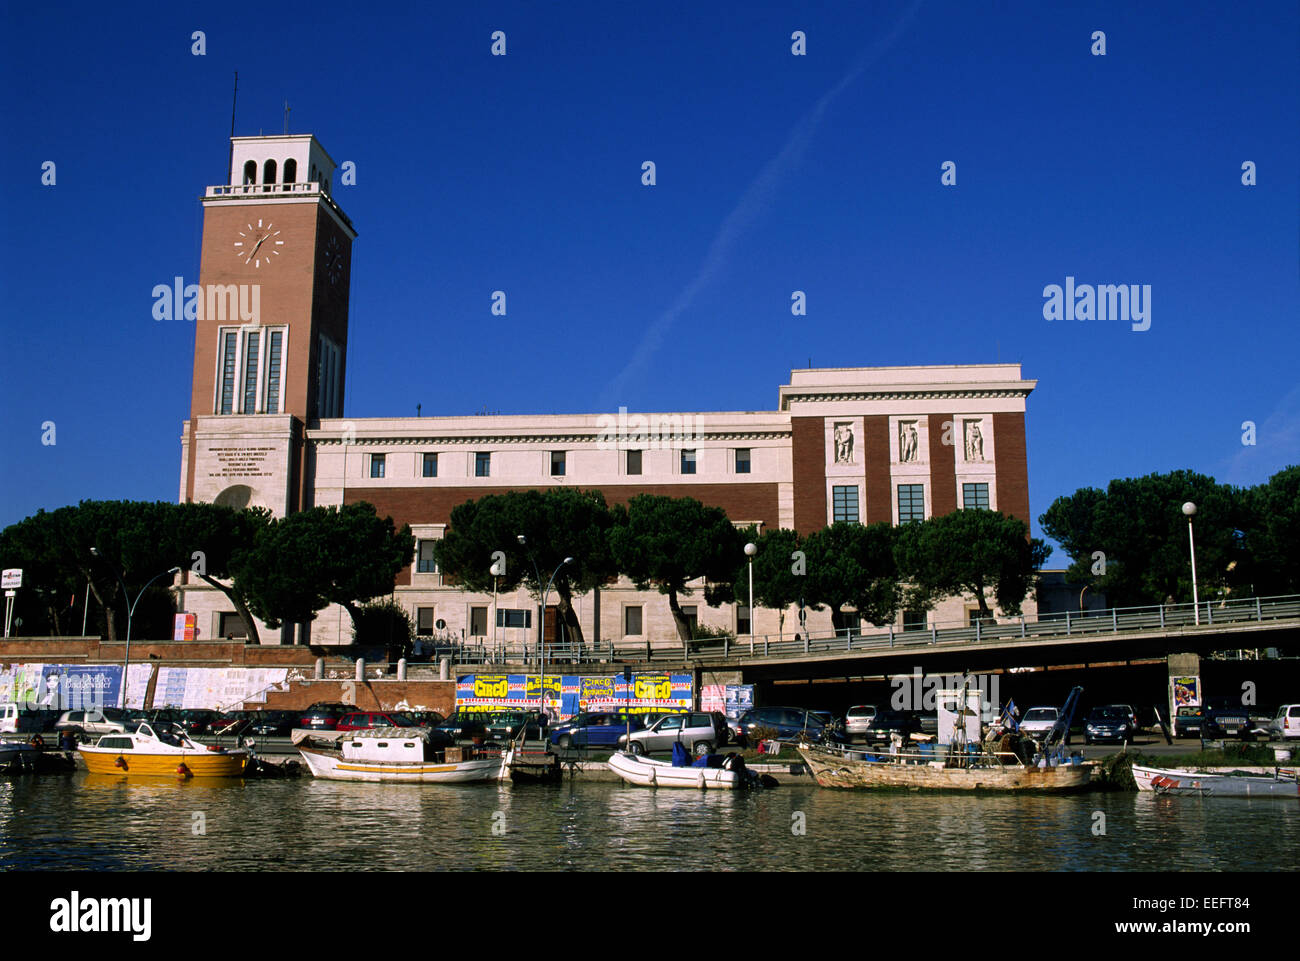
(1182, 666)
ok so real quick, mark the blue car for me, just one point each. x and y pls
(592, 730)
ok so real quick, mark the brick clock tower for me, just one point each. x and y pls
(271, 332)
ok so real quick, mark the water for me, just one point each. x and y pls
(89, 822)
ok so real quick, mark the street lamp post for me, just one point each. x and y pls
(1190, 510)
(750, 550)
(541, 678)
(523, 542)
(130, 614)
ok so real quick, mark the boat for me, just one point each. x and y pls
(730, 774)
(400, 754)
(1282, 783)
(31, 757)
(149, 752)
(976, 769)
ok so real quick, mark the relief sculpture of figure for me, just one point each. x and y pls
(907, 443)
(843, 444)
(974, 441)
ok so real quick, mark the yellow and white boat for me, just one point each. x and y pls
(148, 753)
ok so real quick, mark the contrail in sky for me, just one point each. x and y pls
(752, 203)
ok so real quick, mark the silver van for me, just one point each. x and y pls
(698, 731)
(1286, 724)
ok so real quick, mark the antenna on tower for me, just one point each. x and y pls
(286, 118)
(234, 97)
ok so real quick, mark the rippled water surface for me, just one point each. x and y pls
(90, 822)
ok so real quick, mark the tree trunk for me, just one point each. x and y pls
(244, 613)
(568, 616)
(683, 625)
(838, 620)
(985, 614)
(105, 611)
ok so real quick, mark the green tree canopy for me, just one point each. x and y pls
(556, 523)
(1272, 535)
(326, 555)
(668, 542)
(851, 565)
(779, 577)
(975, 552)
(1138, 525)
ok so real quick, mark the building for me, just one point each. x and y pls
(266, 428)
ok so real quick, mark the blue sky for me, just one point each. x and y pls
(775, 173)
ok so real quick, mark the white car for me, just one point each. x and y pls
(857, 719)
(1039, 720)
(1286, 724)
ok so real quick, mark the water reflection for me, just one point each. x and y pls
(103, 822)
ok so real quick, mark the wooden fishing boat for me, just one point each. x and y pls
(400, 754)
(647, 772)
(978, 770)
(146, 752)
(31, 757)
(1282, 783)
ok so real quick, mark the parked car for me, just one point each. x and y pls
(425, 718)
(790, 723)
(273, 723)
(198, 720)
(1228, 719)
(108, 720)
(594, 729)
(1112, 722)
(1039, 721)
(323, 715)
(1189, 721)
(701, 733)
(857, 719)
(1286, 723)
(507, 725)
(887, 723)
(231, 724)
(364, 720)
(16, 720)
(465, 725)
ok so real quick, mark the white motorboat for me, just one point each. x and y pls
(400, 754)
(1282, 783)
(647, 772)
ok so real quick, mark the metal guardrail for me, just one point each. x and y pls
(1214, 614)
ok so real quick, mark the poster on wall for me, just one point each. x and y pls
(713, 697)
(1186, 692)
(739, 699)
(568, 694)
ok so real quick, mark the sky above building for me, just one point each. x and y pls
(775, 173)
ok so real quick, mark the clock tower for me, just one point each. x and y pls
(271, 325)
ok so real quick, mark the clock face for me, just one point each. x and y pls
(258, 243)
(333, 260)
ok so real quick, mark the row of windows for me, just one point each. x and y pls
(633, 620)
(251, 371)
(269, 173)
(559, 462)
(911, 501)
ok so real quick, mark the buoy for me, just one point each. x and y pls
(182, 770)
(120, 762)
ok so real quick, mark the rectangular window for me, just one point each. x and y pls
(688, 462)
(478, 622)
(634, 462)
(251, 341)
(975, 496)
(273, 372)
(742, 460)
(511, 617)
(911, 503)
(692, 615)
(426, 564)
(227, 400)
(429, 468)
(232, 626)
(845, 504)
(914, 620)
(557, 463)
(482, 464)
(742, 619)
(424, 621)
(377, 464)
(631, 621)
